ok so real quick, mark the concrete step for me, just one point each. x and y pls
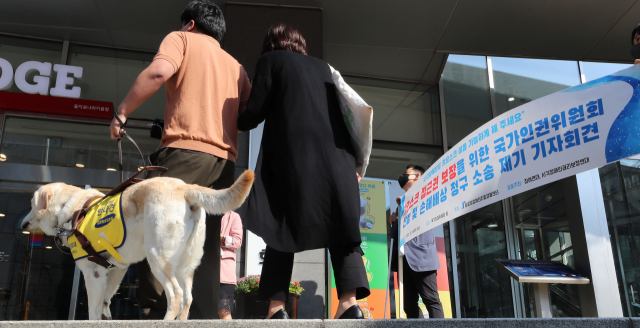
(435, 323)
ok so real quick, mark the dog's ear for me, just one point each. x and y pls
(43, 199)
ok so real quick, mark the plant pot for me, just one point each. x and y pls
(248, 307)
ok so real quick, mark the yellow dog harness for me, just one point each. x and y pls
(103, 226)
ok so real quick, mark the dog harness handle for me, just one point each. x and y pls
(80, 215)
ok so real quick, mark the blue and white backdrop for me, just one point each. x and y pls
(551, 138)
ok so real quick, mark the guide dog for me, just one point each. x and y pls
(165, 222)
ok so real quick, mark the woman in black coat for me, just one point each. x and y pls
(306, 194)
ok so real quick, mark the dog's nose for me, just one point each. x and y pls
(24, 225)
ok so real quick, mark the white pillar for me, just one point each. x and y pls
(603, 270)
(542, 302)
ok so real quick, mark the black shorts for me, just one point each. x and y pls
(226, 301)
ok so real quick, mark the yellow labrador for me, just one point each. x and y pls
(165, 221)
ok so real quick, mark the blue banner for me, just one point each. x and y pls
(543, 141)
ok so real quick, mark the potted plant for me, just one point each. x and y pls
(248, 306)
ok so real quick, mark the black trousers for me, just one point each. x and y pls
(192, 167)
(347, 265)
(424, 284)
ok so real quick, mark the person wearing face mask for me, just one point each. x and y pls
(420, 262)
(206, 90)
(635, 44)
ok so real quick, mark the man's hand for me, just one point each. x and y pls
(115, 126)
(393, 217)
(637, 61)
(359, 177)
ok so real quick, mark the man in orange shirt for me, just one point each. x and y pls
(206, 89)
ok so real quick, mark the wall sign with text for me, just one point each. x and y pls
(62, 87)
(548, 139)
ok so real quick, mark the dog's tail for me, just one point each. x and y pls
(220, 201)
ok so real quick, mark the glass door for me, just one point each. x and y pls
(35, 278)
(543, 233)
(485, 290)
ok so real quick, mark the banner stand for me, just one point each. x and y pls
(386, 297)
(401, 314)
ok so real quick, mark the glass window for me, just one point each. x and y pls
(125, 304)
(621, 192)
(38, 141)
(33, 273)
(593, 70)
(543, 234)
(403, 112)
(406, 122)
(519, 80)
(485, 290)
(109, 74)
(389, 164)
(467, 102)
(17, 51)
(621, 195)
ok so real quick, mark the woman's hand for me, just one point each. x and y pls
(359, 177)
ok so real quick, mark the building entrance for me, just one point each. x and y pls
(543, 233)
(37, 281)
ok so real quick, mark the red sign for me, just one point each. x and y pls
(55, 105)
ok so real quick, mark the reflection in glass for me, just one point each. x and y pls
(125, 304)
(519, 80)
(71, 144)
(485, 290)
(388, 164)
(467, 102)
(593, 70)
(109, 74)
(542, 229)
(621, 191)
(403, 112)
(30, 273)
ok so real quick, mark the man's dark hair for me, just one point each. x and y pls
(207, 17)
(416, 168)
(634, 32)
(284, 37)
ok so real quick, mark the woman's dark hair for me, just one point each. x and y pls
(284, 37)
(634, 32)
(207, 17)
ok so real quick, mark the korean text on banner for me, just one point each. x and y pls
(548, 139)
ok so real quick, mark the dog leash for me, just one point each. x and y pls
(79, 215)
(131, 179)
(123, 133)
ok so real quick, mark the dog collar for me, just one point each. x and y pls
(61, 231)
